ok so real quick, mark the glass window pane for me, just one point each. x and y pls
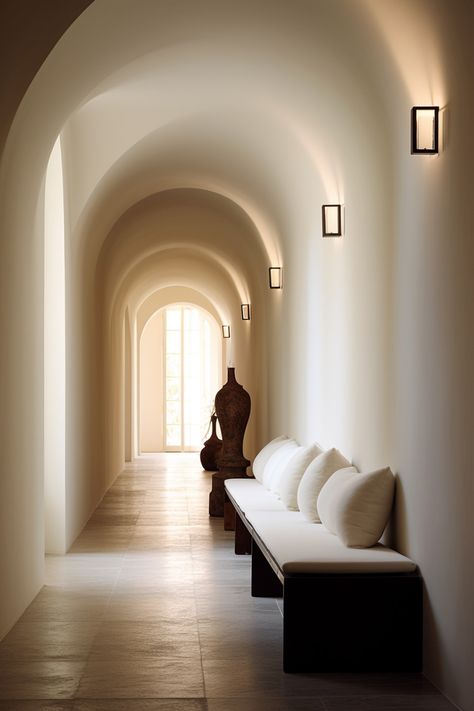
(173, 366)
(190, 369)
(173, 413)
(173, 319)
(191, 319)
(173, 390)
(173, 342)
(192, 341)
(192, 391)
(192, 436)
(192, 366)
(173, 435)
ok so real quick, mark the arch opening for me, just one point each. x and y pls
(180, 365)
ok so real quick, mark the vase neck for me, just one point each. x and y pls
(231, 375)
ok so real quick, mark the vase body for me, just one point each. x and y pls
(233, 410)
(211, 449)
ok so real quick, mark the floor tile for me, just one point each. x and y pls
(36, 705)
(266, 704)
(399, 702)
(39, 680)
(146, 678)
(140, 705)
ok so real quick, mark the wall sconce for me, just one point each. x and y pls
(425, 130)
(245, 311)
(274, 276)
(332, 220)
(226, 331)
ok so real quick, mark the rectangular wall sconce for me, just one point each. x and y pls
(332, 220)
(274, 276)
(226, 331)
(425, 130)
(245, 311)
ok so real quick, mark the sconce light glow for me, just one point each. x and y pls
(226, 331)
(332, 220)
(274, 276)
(245, 311)
(425, 130)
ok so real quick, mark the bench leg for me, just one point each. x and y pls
(265, 582)
(229, 514)
(352, 623)
(243, 539)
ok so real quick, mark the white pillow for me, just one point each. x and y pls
(356, 507)
(264, 455)
(277, 462)
(286, 486)
(313, 480)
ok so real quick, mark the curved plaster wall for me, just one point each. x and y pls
(369, 345)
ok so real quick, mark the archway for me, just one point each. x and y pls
(180, 365)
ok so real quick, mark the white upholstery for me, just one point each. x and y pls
(314, 478)
(286, 485)
(249, 494)
(277, 462)
(264, 455)
(299, 546)
(356, 506)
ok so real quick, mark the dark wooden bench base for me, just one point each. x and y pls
(345, 622)
(340, 622)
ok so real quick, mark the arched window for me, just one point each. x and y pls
(190, 377)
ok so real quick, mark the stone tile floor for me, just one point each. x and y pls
(151, 611)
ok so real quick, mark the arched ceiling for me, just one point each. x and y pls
(267, 106)
(170, 295)
(189, 238)
(272, 106)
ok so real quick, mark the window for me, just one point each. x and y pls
(191, 376)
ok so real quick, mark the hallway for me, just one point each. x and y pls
(151, 610)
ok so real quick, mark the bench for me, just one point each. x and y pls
(344, 609)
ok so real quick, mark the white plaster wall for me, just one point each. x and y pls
(54, 358)
(21, 409)
(151, 385)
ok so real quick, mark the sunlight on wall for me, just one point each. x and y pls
(414, 43)
(54, 357)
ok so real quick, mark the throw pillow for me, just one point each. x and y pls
(356, 506)
(313, 480)
(277, 462)
(286, 486)
(264, 455)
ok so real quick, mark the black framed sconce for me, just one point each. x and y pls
(226, 331)
(332, 220)
(245, 311)
(425, 130)
(274, 277)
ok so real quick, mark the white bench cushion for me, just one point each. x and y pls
(299, 546)
(249, 494)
